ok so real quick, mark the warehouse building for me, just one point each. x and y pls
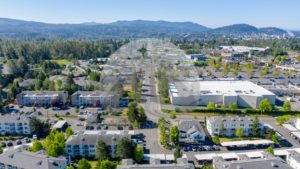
(200, 93)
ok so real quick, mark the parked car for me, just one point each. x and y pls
(9, 144)
(18, 142)
(26, 140)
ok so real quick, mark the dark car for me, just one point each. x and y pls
(18, 142)
(9, 144)
(120, 128)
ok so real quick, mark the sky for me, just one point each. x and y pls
(212, 13)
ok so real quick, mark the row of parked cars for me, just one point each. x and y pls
(10, 143)
(196, 148)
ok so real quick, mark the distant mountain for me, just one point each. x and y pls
(19, 29)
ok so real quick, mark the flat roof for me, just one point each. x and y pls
(59, 124)
(219, 87)
(246, 142)
(296, 134)
(289, 127)
(109, 132)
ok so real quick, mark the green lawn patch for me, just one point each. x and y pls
(62, 62)
(226, 139)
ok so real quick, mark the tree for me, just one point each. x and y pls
(222, 129)
(233, 106)
(54, 143)
(255, 127)
(1, 149)
(275, 138)
(39, 128)
(36, 146)
(70, 167)
(216, 139)
(142, 50)
(84, 164)
(174, 134)
(211, 106)
(69, 132)
(125, 148)
(265, 105)
(162, 132)
(105, 164)
(282, 119)
(138, 153)
(136, 114)
(270, 150)
(177, 152)
(102, 152)
(239, 132)
(286, 106)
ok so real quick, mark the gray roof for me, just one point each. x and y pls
(11, 118)
(29, 160)
(269, 162)
(295, 155)
(181, 164)
(92, 93)
(230, 119)
(189, 125)
(92, 139)
(43, 92)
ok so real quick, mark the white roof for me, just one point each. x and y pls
(219, 87)
(246, 142)
(228, 155)
(253, 154)
(170, 157)
(59, 124)
(154, 156)
(289, 127)
(208, 156)
(296, 134)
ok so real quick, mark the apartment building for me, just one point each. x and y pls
(20, 159)
(14, 124)
(84, 144)
(95, 99)
(42, 98)
(215, 124)
(293, 159)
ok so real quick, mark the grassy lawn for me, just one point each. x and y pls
(62, 62)
(226, 139)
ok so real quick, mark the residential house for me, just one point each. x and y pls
(42, 98)
(191, 131)
(14, 125)
(216, 124)
(20, 159)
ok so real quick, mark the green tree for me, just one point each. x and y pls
(1, 149)
(174, 134)
(84, 164)
(41, 129)
(125, 148)
(265, 105)
(211, 106)
(282, 119)
(106, 164)
(270, 150)
(36, 146)
(233, 106)
(216, 139)
(239, 132)
(54, 143)
(222, 129)
(102, 152)
(286, 106)
(162, 132)
(70, 167)
(177, 152)
(69, 132)
(138, 153)
(275, 138)
(255, 127)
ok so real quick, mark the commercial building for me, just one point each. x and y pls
(191, 131)
(14, 124)
(182, 163)
(244, 162)
(200, 93)
(84, 144)
(229, 125)
(95, 99)
(19, 159)
(42, 98)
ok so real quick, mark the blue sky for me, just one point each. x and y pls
(211, 13)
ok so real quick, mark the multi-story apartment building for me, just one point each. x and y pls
(84, 144)
(43, 98)
(94, 99)
(226, 126)
(19, 159)
(14, 124)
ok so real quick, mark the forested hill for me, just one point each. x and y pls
(19, 29)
